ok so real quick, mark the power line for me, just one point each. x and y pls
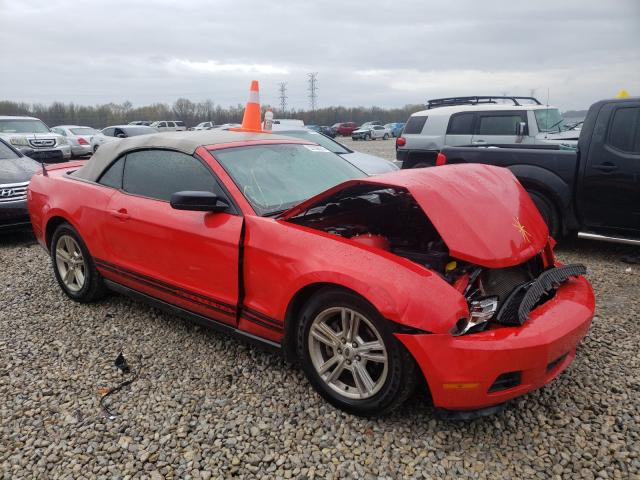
(283, 97)
(313, 90)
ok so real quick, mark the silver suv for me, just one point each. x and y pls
(34, 139)
(461, 121)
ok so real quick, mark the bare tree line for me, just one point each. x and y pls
(191, 113)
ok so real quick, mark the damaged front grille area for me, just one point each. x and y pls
(524, 298)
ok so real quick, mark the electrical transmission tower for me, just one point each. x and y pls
(313, 90)
(283, 97)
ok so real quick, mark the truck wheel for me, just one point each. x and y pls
(548, 211)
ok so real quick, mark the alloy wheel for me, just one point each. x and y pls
(348, 353)
(70, 263)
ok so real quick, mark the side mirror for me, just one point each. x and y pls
(121, 135)
(198, 201)
(521, 129)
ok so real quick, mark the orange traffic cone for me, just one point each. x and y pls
(251, 119)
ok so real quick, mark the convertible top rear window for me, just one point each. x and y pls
(274, 178)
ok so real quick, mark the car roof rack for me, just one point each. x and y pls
(475, 100)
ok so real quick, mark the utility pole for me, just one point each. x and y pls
(283, 97)
(313, 90)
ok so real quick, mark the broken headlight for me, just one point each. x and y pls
(480, 312)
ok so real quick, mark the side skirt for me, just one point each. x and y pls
(194, 317)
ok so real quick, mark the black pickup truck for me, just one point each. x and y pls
(595, 190)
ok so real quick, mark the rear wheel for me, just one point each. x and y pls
(385, 136)
(73, 266)
(548, 212)
(350, 355)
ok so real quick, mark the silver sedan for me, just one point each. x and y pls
(79, 138)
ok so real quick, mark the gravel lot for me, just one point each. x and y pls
(382, 148)
(208, 406)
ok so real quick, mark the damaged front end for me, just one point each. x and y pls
(405, 221)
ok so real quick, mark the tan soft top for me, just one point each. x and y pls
(186, 142)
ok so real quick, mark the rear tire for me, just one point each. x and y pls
(385, 136)
(350, 355)
(74, 267)
(548, 212)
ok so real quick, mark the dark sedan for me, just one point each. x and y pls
(15, 173)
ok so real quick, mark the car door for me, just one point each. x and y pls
(185, 258)
(610, 190)
(460, 129)
(499, 127)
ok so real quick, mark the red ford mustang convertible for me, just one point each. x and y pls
(368, 283)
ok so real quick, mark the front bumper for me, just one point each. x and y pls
(461, 371)
(49, 155)
(14, 216)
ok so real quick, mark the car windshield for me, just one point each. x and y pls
(550, 120)
(318, 138)
(23, 126)
(132, 132)
(274, 178)
(7, 153)
(83, 131)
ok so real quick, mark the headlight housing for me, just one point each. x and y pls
(19, 141)
(480, 312)
(63, 141)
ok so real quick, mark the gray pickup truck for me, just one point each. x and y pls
(595, 190)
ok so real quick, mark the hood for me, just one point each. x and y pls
(369, 164)
(482, 213)
(17, 170)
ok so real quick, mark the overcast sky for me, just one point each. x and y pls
(368, 52)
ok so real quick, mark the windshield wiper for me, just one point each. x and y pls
(555, 125)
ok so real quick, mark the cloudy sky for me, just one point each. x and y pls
(367, 52)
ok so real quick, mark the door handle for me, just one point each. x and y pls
(120, 214)
(479, 142)
(606, 167)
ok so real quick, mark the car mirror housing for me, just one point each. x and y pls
(198, 201)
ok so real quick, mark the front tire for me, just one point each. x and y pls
(367, 136)
(350, 355)
(73, 266)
